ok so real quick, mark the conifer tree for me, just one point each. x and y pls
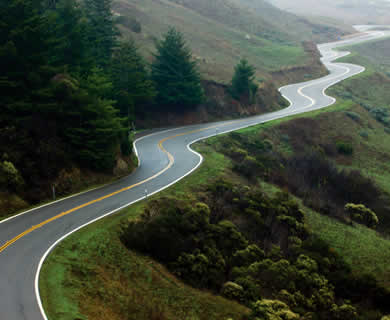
(102, 32)
(175, 73)
(71, 50)
(92, 127)
(25, 40)
(243, 84)
(131, 83)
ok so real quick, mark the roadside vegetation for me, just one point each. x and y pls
(289, 218)
(68, 107)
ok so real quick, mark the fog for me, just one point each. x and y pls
(350, 11)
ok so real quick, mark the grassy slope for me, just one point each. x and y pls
(218, 41)
(370, 89)
(93, 268)
(92, 275)
(351, 11)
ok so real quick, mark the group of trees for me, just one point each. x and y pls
(254, 249)
(69, 88)
(55, 58)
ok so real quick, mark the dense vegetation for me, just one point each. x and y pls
(309, 173)
(57, 97)
(70, 102)
(251, 247)
(255, 245)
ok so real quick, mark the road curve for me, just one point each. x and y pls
(165, 157)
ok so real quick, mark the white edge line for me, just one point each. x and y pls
(86, 191)
(166, 186)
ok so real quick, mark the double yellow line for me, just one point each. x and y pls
(62, 214)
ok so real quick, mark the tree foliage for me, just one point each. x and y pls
(101, 32)
(253, 249)
(175, 73)
(63, 92)
(132, 85)
(361, 214)
(243, 84)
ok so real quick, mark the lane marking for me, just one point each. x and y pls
(188, 147)
(93, 189)
(62, 214)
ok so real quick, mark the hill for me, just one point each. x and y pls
(322, 160)
(221, 31)
(350, 11)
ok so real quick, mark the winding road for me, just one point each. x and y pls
(165, 157)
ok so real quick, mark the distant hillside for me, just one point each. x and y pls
(351, 11)
(221, 31)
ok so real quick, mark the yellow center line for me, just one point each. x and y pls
(170, 164)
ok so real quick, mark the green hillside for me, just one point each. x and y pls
(350, 11)
(346, 145)
(220, 32)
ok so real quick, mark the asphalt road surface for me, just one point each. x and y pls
(165, 157)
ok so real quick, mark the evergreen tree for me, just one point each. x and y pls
(71, 49)
(243, 84)
(131, 84)
(25, 39)
(102, 32)
(175, 74)
(90, 122)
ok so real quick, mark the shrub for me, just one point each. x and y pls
(381, 115)
(363, 134)
(238, 154)
(354, 116)
(249, 167)
(232, 291)
(343, 312)
(247, 256)
(10, 177)
(272, 310)
(361, 214)
(344, 148)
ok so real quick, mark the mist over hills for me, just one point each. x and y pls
(350, 11)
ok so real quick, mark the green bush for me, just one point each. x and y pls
(363, 134)
(361, 214)
(354, 116)
(344, 148)
(10, 177)
(343, 312)
(232, 291)
(272, 310)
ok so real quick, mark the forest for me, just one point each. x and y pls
(70, 85)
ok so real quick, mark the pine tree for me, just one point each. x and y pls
(71, 50)
(102, 32)
(132, 86)
(175, 73)
(243, 85)
(91, 123)
(25, 40)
